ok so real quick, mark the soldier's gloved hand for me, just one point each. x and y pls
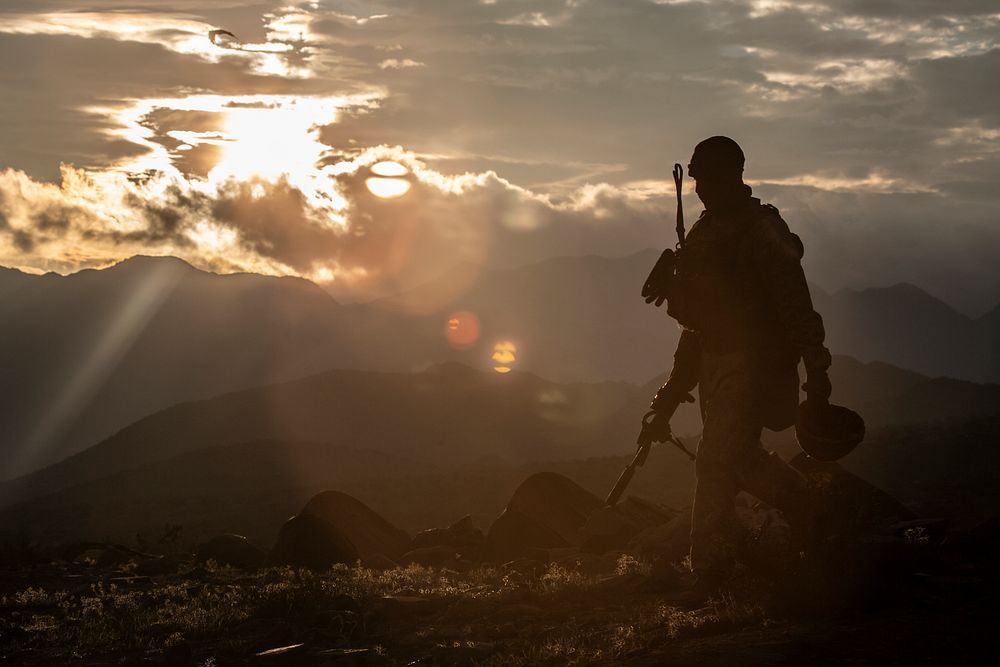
(657, 429)
(817, 387)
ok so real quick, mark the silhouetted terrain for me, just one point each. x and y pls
(416, 446)
(86, 354)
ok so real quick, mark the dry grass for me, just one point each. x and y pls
(487, 616)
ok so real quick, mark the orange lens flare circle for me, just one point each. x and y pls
(461, 330)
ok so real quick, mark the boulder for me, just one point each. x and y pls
(513, 535)
(364, 528)
(646, 513)
(852, 505)
(233, 550)
(546, 511)
(308, 541)
(671, 540)
(607, 528)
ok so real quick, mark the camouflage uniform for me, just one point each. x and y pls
(747, 319)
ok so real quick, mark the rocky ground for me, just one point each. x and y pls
(558, 578)
(600, 610)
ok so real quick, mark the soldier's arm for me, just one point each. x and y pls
(684, 374)
(777, 256)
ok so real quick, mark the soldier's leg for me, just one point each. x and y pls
(730, 431)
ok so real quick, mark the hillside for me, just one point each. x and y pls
(449, 415)
(417, 446)
(87, 354)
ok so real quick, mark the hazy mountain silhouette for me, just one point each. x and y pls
(449, 415)
(452, 417)
(907, 327)
(86, 354)
(581, 312)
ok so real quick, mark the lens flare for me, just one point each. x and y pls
(389, 169)
(462, 330)
(387, 188)
(504, 356)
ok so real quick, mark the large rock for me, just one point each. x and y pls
(606, 529)
(546, 511)
(671, 540)
(852, 505)
(513, 535)
(359, 524)
(308, 541)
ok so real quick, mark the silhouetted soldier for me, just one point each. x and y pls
(747, 319)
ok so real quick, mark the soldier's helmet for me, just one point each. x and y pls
(828, 432)
(717, 157)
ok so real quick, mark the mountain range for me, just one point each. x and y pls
(86, 354)
(248, 456)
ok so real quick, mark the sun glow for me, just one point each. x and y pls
(263, 138)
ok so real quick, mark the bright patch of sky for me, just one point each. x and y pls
(526, 130)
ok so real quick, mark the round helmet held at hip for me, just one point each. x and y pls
(828, 432)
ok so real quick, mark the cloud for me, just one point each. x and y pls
(393, 63)
(530, 129)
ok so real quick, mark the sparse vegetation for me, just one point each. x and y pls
(489, 615)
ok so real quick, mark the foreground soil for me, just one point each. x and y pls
(929, 605)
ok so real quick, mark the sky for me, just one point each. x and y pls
(369, 145)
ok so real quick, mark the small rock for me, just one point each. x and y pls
(379, 562)
(462, 535)
(232, 550)
(153, 567)
(430, 556)
(523, 566)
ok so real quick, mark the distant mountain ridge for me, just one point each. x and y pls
(426, 446)
(452, 416)
(86, 354)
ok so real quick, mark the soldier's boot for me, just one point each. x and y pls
(715, 530)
